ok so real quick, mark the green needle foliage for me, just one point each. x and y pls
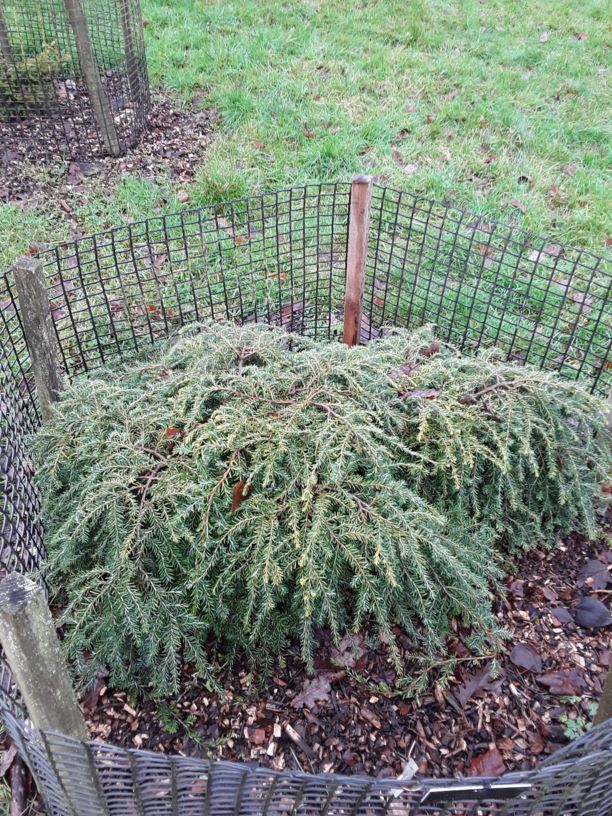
(241, 487)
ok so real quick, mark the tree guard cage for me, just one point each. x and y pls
(288, 258)
(73, 75)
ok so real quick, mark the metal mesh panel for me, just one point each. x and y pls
(41, 75)
(93, 778)
(484, 283)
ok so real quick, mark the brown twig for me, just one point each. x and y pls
(18, 776)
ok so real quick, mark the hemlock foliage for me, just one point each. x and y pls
(243, 486)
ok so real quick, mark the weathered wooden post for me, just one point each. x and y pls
(5, 42)
(29, 640)
(38, 328)
(27, 634)
(359, 225)
(91, 74)
(604, 709)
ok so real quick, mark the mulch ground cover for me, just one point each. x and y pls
(30, 172)
(348, 717)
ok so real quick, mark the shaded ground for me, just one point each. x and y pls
(175, 141)
(346, 718)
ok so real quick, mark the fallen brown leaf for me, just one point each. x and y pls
(490, 763)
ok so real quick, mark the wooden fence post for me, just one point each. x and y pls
(33, 652)
(359, 225)
(91, 74)
(5, 42)
(28, 636)
(38, 329)
(604, 709)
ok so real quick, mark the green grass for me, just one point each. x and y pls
(458, 101)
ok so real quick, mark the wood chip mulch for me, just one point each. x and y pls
(347, 718)
(32, 171)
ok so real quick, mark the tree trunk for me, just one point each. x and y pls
(91, 74)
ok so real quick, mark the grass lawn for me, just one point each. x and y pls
(496, 105)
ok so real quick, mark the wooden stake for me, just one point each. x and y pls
(38, 329)
(359, 225)
(99, 98)
(604, 709)
(125, 18)
(27, 634)
(19, 778)
(5, 42)
(33, 652)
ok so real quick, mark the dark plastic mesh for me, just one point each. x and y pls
(43, 92)
(485, 283)
(92, 778)
(280, 258)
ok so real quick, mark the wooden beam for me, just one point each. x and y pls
(35, 310)
(91, 74)
(5, 41)
(34, 655)
(28, 636)
(359, 226)
(604, 709)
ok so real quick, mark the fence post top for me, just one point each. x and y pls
(28, 263)
(361, 178)
(16, 591)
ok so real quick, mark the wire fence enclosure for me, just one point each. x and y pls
(281, 258)
(75, 777)
(78, 68)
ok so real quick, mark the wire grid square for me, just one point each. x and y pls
(484, 283)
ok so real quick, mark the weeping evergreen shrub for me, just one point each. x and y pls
(240, 487)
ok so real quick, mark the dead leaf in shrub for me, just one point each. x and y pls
(554, 249)
(422, 393)
(239, 494)
(318, 688)
(525, 657)
(545, 36)
(561, 683)
(569, 169)
(432, 348)
(404, 370)
(490, 763)
(581, 36)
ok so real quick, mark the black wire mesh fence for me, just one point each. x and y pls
(281, 258)
(77, 778)
(73, 76)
